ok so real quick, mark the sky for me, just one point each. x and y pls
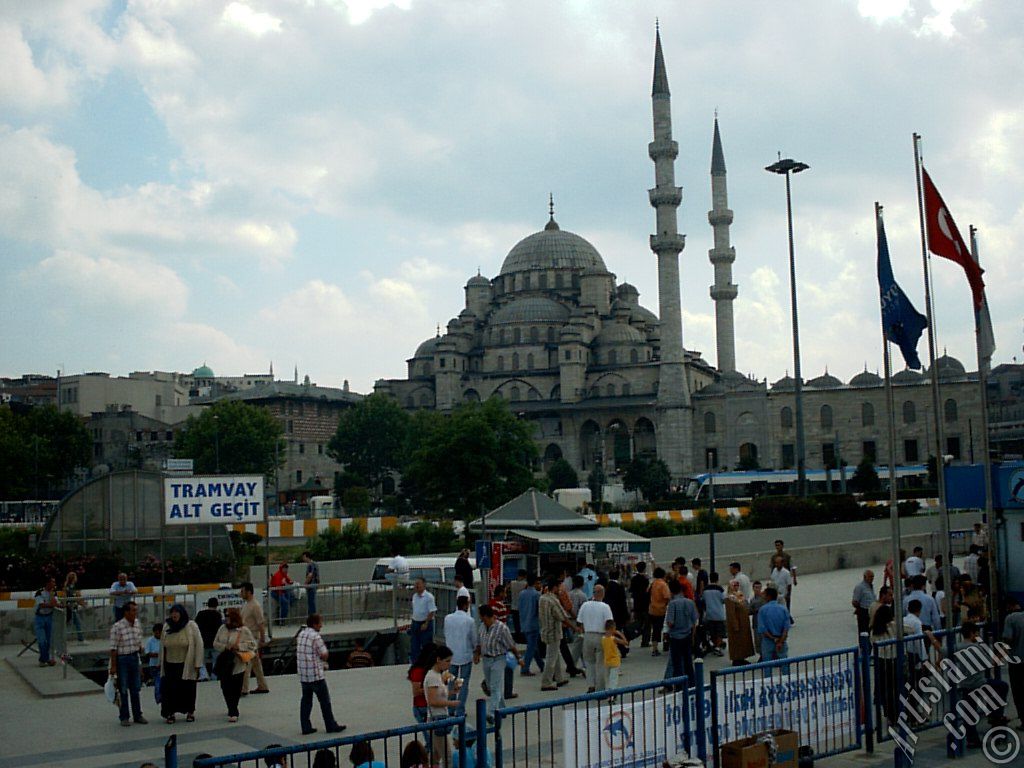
(312, 182)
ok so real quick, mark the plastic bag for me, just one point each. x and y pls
(111, 691)
(510, 660)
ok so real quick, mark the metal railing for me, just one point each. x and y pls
(818, 696)
(439, 738)
(644, 724)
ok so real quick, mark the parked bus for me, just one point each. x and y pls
(743, 486)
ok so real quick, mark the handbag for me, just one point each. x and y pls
(246, 656)
(225, 664)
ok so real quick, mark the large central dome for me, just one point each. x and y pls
(552, 248)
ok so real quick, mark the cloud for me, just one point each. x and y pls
(245, 18)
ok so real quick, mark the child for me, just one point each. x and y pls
(612, 655)
(152, 654)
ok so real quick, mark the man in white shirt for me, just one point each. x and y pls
(421, 626)
(738, 575)
(979, 537)
(916, 650)
(929, 610)
(782, 578)
(460, 635)
(591, 619)
(971, 562)
(914, 566)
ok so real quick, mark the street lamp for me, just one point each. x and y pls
(784, 167)
(216, 441)
(711, 507)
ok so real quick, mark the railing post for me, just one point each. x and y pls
(481, 734)
(955, 748)
(715, 757)
(171, 752)
(460, 729)
(867, 727)
(497, 739)
(702, 731)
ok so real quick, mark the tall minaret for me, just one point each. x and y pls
(722, 256)
(673, 390)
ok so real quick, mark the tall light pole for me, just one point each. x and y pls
(711, 509)
(216, 441)
(785, 167)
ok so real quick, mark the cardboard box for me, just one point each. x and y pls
(751, 753)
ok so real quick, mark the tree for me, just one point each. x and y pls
(232, 437)
(562, 475)
(39, 450)
(650, 476)
(370, 438)
(595, 482)
(865, 478)
(478, 457)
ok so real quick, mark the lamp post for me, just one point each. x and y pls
(216, 441)
(785, 167)
(711, 508)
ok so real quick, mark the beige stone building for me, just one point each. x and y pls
(603, 378)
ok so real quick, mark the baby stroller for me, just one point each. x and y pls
(702, 641)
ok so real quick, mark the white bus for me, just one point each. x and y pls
(743, 486)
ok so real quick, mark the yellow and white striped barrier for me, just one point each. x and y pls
(306, 529)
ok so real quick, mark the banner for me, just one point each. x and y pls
(213, 499)
(631, 735)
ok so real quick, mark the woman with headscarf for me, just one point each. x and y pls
(237, 640)
(737, 625)
(181, 657)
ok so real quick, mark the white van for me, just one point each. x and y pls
(435, 570)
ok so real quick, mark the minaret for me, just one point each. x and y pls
(722, 256)
(673, 389)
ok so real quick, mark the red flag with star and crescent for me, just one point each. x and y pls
(944, 238)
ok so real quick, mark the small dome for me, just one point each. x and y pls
(203, 372)
(949, 367)
(786, 382)
(866, 379)
(628, 293)
(428, 347)
(907, 376)
(552, 248)
(825, 381)
(643, 313)
(478, 280)
(535, 309)
(616, 334)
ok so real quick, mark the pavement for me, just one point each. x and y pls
(83, 731)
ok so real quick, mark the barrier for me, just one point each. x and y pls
(819, 696)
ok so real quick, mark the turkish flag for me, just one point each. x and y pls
(944, 238)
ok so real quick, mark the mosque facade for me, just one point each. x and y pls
(604, 378)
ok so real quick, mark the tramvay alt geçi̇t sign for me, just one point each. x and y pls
(213, 499)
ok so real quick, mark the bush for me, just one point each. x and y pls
(423, 538)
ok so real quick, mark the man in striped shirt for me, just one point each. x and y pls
(311, 660)
(495, 642)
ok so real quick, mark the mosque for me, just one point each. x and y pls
(605, 379)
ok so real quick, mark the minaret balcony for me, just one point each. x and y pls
(660, 149)
(723, 216)
(722, 255)
(724, 292)
(670, 243)
(665, 196)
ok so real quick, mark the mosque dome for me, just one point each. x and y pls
(949, 367)
(480, 280)
(643, 313)
(203, 372)
(825, 381)
(786, 382)
(907, 376)
(428, 347)
(866, 379)
(617, 334)
(534, 309)
(552, 248)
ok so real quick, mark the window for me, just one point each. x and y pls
(138, 436)
(867, 414)
(542, 280)
(610, 390)
(709, 423)
(558, 279)
(786, 418)
(949, 411)
(534, 335)
(529, 361)
(302, 447)
(828, 454)
(298, 475)
(501, 363)
(953, 447)
(568, 355)
(515, 361)
(159, 400)
(501, 336)
(513, 394)
(170, 435)
(788, 455)
(154, 436)
(424, 399)
(612, 357)
(909, 413)
(320, 449)
(868, 451)
(634, 356)
(625, 389)
(826, 417)
(517, 336)
(443, 362)
(910, 454)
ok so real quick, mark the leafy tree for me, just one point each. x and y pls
(355, 499)
(478, 457)
(595, 482)
(370, 438)
(39, 449)
(562, 475)
(865, 478)
(236, 437)
(650, 476)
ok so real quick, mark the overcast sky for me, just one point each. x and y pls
(311, 182)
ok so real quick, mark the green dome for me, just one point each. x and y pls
(203, 372)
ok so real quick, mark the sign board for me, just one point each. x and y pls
(632, 735)
(213, 499)
(593, 547)
(179, 466)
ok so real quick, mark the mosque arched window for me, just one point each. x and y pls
(534, 335)
(786, 417)
(529, 361)
(867, 414)
(949, 410)
(542, 280)
(515, 361)
(558, 279)
(634, 356)
(513, 394)
(516, 336)
(710, 426)
(501, 336)
(526, 282)
(909, 412)
(625, 389)
(501, 363)
(610, 390)
(826, 417)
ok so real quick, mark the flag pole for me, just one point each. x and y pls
(940, 462)
(984, 359)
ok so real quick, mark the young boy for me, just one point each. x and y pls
(610, 644)
(152, 654)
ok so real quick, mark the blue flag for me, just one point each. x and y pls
(902, 323)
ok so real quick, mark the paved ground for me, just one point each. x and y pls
(83, 732)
